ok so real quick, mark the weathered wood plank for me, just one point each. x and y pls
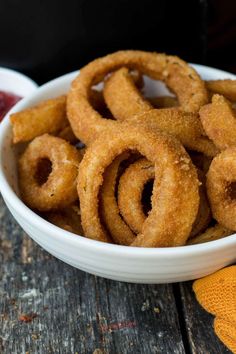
(77, 312)
(199, 325)
(74, 312)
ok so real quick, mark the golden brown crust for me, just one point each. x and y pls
(130, 189)
(211, 234)
(122, 96)
(127, 104)
(184, 128)
(127, 133)
(219, 121)
(175, 197)
(204, 212)
(110, 212)
(220, 182)
(87, 124)
(59, 189)
(47, 117)
(225, 87)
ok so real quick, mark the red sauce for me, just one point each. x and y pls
(7, 100)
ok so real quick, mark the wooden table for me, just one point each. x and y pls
(46, 306)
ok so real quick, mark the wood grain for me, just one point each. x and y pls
(70, 311)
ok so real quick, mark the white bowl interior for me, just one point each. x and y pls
(75, 247)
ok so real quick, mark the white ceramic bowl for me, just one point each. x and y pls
(131, 264)
(15, 82)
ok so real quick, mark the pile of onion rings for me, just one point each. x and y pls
(111, 163)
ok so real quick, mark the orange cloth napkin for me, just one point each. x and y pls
(217, 295)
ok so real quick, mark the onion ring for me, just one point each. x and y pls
(220, 184)
(225, 87)
(47, 117)
(58, 189)
(110, 213)
(219, 121)
(122, 96)
(175, 195)
(130, 189)
(164, 123)
(97, 100)
(131, 186)
(211, 234)
(87, 124)
(127, 104)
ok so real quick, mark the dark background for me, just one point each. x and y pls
(45, 39)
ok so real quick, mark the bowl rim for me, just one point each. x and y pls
(19, 75)
(80, 241)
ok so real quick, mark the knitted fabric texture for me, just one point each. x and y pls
(217, 295)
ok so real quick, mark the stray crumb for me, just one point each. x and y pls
(4, 316)
(145, 305)
(35, 336)
(165, 73)
(156, 309)
(12, 301)
(89, 327)
(185, 159)
(98, 351)
(27, 317)
(185, 167)
(6, 245)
